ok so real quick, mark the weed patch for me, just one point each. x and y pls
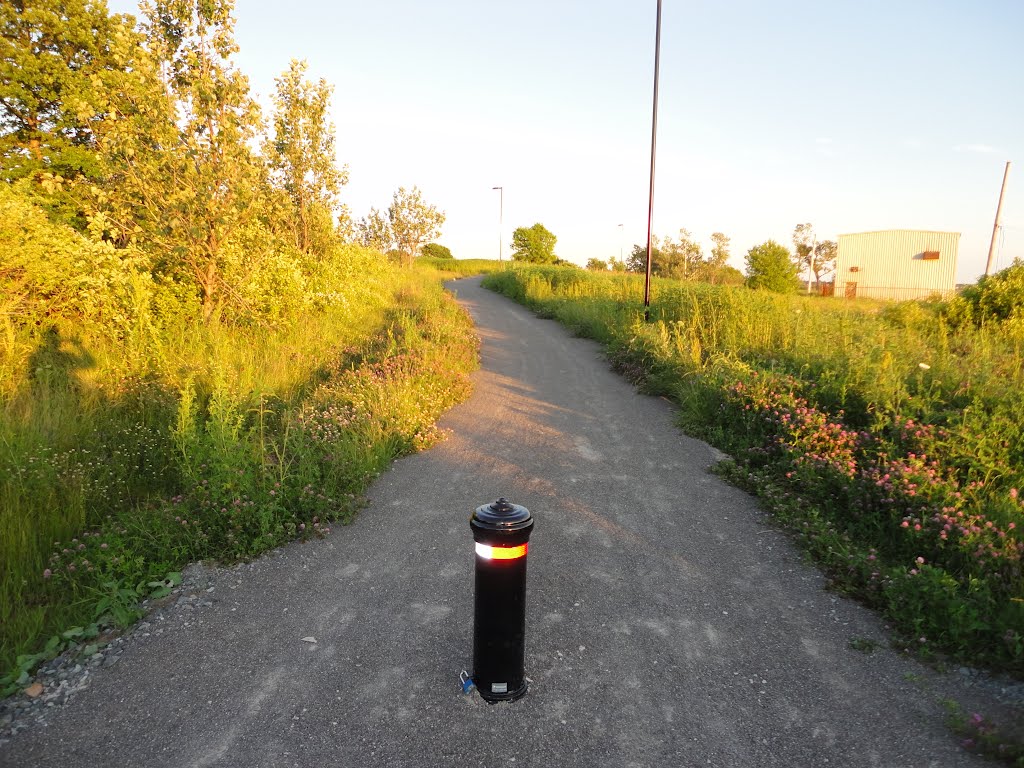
(890, 443)
(220, 449)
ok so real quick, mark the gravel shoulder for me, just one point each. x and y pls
(669, 623)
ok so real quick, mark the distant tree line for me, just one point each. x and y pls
(770, 266)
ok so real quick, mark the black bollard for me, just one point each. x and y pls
(501, 531)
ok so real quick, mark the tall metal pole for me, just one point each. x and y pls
(995, 227)
(501, 216)
(620, 243)
(654, 138)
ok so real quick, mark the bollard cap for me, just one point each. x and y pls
(502, 515)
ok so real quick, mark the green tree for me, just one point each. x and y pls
(374, 231)
(825, 253)
(345, 227)
(436, 251)
(188, 180)
(534, 245)
(669, 258)
(412, 222)
(302, 158)
(804, 244)
(597, 265)
(59, 62)
(616, 265)
(682, 258)
(720, 252)
(770, 266)
(637, 259)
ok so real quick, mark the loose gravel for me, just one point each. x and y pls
(71, 672)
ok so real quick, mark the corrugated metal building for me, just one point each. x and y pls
(897, 264)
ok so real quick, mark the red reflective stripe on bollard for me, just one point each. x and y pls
(501, 553)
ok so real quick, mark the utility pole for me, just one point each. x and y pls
(995, 227)
(654, 138)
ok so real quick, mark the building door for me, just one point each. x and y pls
(851, 290)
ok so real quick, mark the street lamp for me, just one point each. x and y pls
(501, 214)
(620, 243)
(653, 137)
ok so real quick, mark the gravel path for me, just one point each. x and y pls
(668, 622)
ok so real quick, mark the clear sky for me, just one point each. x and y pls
(853, 116)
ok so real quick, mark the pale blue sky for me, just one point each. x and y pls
(854, 116)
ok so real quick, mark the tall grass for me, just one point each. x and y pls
(890, 442)
(123, 460)
(452, 268)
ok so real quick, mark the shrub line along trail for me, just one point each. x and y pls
(667, 622)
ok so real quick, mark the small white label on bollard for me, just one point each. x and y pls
(499, 687)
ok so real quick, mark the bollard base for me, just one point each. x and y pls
(491, 696)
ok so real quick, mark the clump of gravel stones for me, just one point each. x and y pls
(55, 682)
(1005, 689)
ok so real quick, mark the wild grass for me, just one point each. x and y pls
(452, 268)
(889, 440)
(122, 461)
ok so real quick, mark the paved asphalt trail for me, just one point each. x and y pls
(667, 623)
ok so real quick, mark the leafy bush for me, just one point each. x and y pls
(435, 251)
(919, 316)
(997, 298)
(265, 273)
(49, 271)
(770, 266)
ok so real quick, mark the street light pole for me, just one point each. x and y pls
(654, 137)
(501, 216)
(620, 243)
